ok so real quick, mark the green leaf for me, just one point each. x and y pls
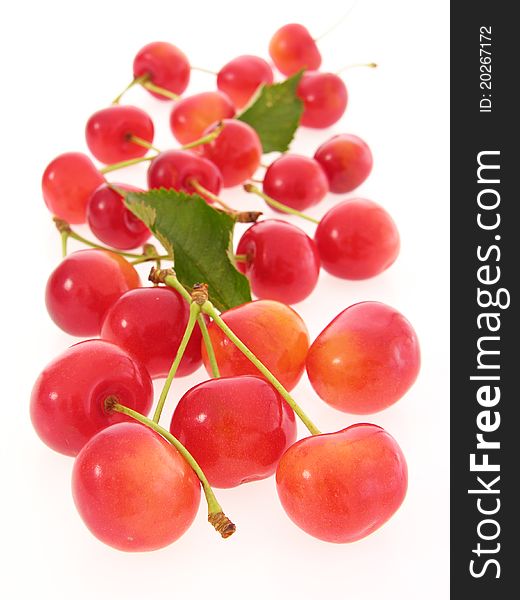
(200, 239)
(275, 114)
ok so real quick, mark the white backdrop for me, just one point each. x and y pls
(61, 61)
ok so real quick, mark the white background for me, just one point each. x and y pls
(61, 61)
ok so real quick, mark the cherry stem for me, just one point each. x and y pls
(138, 80)
(144, 259)
(215, 372)
(159, 90)
(241, 257)
(210, 310)
(371, 65)
(194, 313)
(216, 515)
(246, 216)
(203, 70)
(337, 23)
(206, 139)
(64, 239)
(143, 143)
(248, 187)
(125, 163)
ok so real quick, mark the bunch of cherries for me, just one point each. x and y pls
(137, 484)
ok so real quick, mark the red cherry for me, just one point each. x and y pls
(149, 324)
(110, 220)
(292, 48)
(237, 428)
(165, 65)
(236, 151)
(67, 183)
(133, 489)
(346, 160)
(324, 98)
(68, 398)
(241, 77)
(176, 168)
(365, 359)
(296, 181)
(342, 486)
(83, 287)
(192, 115)
(282, 261)
(109, 132)
(274, 332)
(357, 239)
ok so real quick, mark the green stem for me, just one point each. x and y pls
(143, 259)
(64, 240)
(173, 282)
(241, 257)
(371, 65)
(215, 372)
(194, 313)
(125, 163)
(159, 90)
(286, 209)
(213, 197)
(210, 310)
(206, 139)
(143, 143)
(203, 70)
(215, 512)
(138, 80)
(80, 238)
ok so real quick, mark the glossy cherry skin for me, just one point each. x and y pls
(241, 77)
(68, 398)
(165, 65)
(133, 489)
(67, 184)
(324, 98)
(340, 487)
(149, 324)
(192, 115)
(84, 286)
(237, 428)
(357, 239)
(346, 160)
(365, 359)
(176, 168)
(236, 151)
(111, 222)
(282, 261)
(292, 48)
(274, 332)
(296, 181)
(109, 130)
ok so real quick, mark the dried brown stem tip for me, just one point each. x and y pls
(222, 524)
(199, 293)
(110, 402)
(61, 225)
(248, 216)
(159, 275)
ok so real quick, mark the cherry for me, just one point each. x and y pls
(342, 486)
(282, 261)
(177, 168)
(67, 183)
(365, 359)
(84, 286)
(68, 398)
(357, 239)
(292, 48)
(236, 151)
(134, 490)
(109, 133)
(192, 115)
(274, 332)
(296, 181)
(110, 220)
(324, 98)
(346, 160)
(164, 65)
(241, 77)
(149, 324)
(237, 428)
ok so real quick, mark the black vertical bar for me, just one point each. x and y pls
(485, 127)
